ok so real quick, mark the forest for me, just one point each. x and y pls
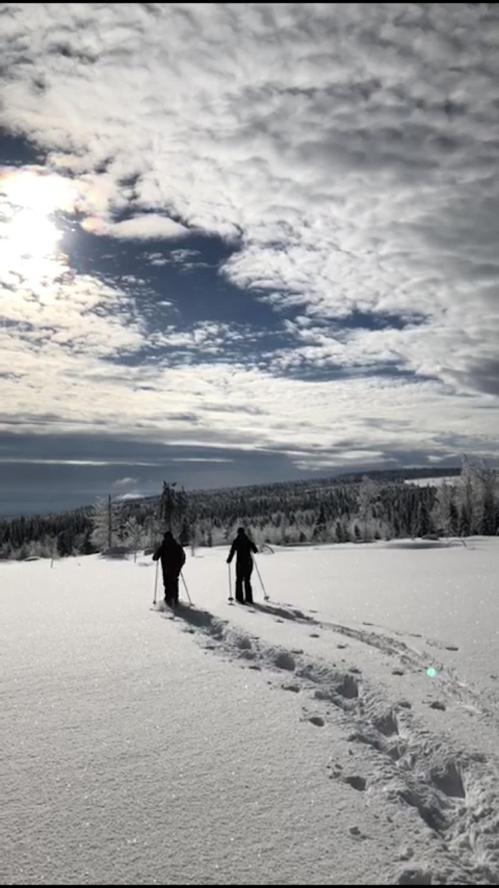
(381, 506)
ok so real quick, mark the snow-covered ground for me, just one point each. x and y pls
(301, 740)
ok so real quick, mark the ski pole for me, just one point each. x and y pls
(156, 582)
(266, 597)
(185, 587)
(230, 585)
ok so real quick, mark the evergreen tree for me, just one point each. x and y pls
(453, 518)
(172, 507)
(184, 536)
(319, 532)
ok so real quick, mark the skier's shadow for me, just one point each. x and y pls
(206, 622)
(199, 619)
(285, 613)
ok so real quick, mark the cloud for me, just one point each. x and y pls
(66, 317)
(348, 153)
(67, 462)
(201, 459)
(149, 226)
(124, 483)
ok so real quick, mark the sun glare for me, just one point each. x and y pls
(32, 235)
(29, 237)
(40, 192)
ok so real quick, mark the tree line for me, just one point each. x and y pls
(336, 510)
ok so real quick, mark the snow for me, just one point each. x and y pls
(439, 481)
(300, 740)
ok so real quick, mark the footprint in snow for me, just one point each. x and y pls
(317, 720)
(414, 876)
(284, 660)
(356, 782)
(355, 831)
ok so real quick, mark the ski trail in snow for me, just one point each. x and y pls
(417, 660)
(409, 656)
(455, 794)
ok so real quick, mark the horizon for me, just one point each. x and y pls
(244, 245)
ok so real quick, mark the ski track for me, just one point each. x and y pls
(452, 792)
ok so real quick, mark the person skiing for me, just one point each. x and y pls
(172, 560)
(242, 547)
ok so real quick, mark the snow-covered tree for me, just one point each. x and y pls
(368, 495)
(445, 514)
(132, 535)
(172, 507)
(102, 519)
(477, 498)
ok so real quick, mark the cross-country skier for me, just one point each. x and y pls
(242, 547)
(172, 560)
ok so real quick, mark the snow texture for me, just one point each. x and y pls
(142, 746)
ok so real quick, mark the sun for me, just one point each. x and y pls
(29, 237)
(37, 190)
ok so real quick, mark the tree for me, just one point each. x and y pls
(489, 518)
(132, 534)
(184, 536)
(368, 495)
(64, 543)
(424, 521)
(488, 481)
(172, 506)
(339, 532)
(319, 532)
(102, 518)
(453, 518)
(477, 498)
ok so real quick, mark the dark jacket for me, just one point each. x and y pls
(172, 556)
(242, 547)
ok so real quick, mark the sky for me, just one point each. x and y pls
(243, 243)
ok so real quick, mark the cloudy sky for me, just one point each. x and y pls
(244, 242)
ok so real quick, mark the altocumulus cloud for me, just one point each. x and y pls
(347, 154)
